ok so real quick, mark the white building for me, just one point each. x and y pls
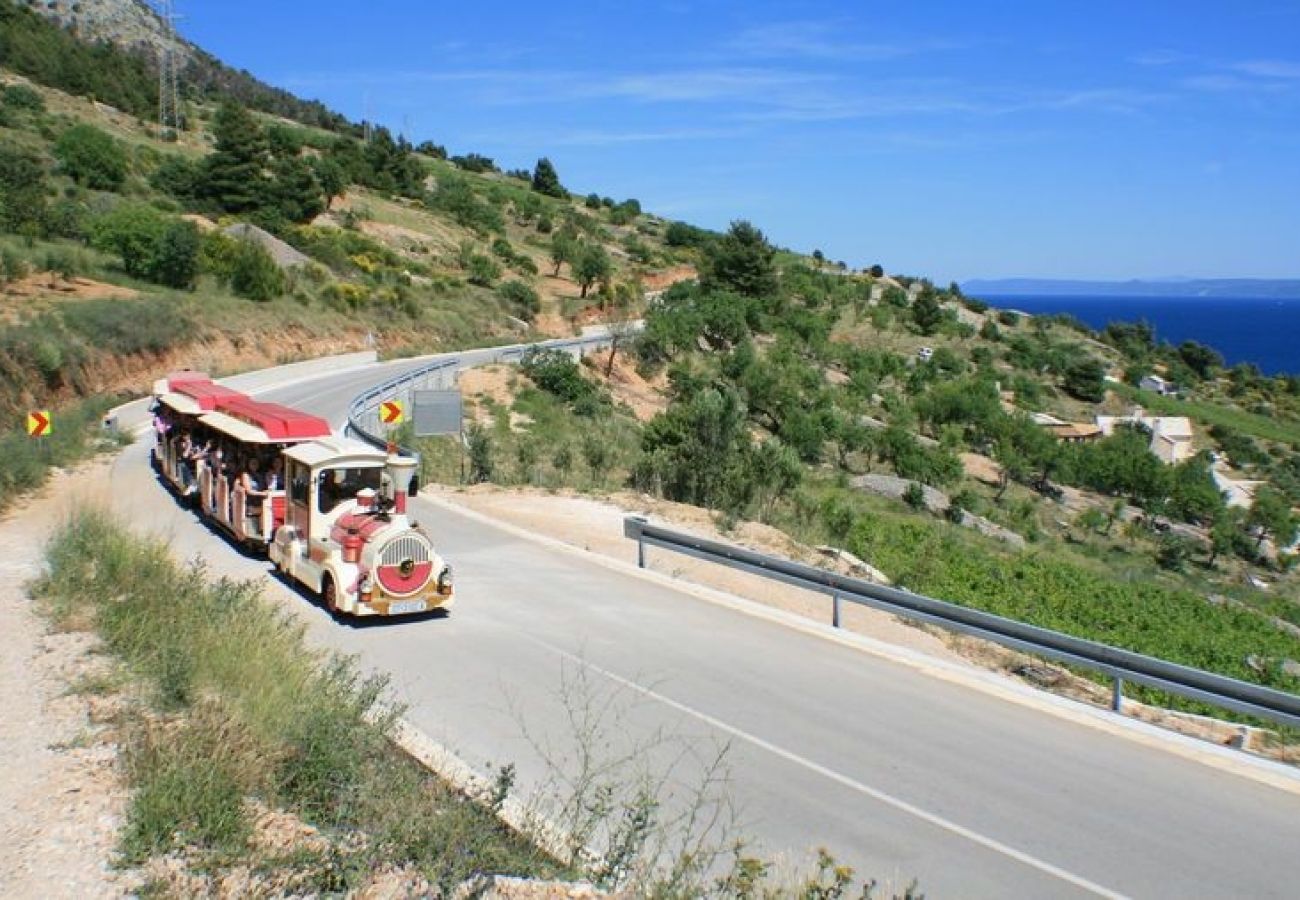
(1158, 385)
(1171, 436)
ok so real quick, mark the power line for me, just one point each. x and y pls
(169, 79)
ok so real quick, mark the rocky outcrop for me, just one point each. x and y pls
(132, 24)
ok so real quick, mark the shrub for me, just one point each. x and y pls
(20, 96)
(151, 246)
(914, 496)
(482, 463)
(1085, 379)
(92, 158)
(523, 299)
(254, 274)
(482, 270)
(555, 372)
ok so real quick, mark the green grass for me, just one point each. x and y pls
(239, 708)
(1039, 587)
(1270, 429)
(77, 435)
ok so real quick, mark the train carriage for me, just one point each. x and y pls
(330, 512)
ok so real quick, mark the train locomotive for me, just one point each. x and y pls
(329, 512)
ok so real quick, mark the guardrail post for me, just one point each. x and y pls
(640, 553)
(1117, 695)
(835, 614)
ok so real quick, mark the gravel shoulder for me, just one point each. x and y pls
(61, 801)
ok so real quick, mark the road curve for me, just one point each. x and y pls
(898, 773)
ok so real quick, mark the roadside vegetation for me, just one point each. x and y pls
(234, 711)
(231, 726)
(787, 386)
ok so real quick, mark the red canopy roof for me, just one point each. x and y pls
(201, 389)
(281, 423)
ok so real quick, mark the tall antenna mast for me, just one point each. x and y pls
(169, 79)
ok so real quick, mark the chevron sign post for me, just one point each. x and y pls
(39, 424)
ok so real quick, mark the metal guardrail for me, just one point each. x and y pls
(1120, 665)
(363, 414)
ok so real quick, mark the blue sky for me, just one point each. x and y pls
(956, 138)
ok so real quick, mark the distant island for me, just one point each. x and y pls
(1223, 288)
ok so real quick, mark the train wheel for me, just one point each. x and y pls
(329, 594)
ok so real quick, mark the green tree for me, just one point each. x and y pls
(1228, 535)
(177, 261)
(92, 158)
(591, 265)
(482, 462)
(741, 261)
(596, 453)
(695, 451)
(1199, 358)
(254, 274)
(23, 189)
(564, 248)
(151, 246)
(1271, 518)
(332, 177)
(177, 177)
(234, 175)
(296, 195)
(546, 180)
(1085, 379)
(926, 312)
(773, 471)
(1173, 551)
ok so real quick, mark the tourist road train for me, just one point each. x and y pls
(330, 512)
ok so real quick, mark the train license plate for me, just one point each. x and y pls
(406, 607)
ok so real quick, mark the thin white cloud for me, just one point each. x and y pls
(1220, 83)
(819, 40)
(703, 85)
(1269, 68)
(611, 137)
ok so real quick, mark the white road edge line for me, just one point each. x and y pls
(851, 783)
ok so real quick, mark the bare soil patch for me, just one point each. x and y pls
(645, 397)
(49, 284)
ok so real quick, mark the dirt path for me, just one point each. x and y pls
(61, 801)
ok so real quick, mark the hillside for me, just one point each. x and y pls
(951, 445)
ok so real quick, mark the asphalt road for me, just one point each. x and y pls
(898, 773)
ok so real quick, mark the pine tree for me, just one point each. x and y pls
(234, 176)
(297, 194)
(546, 180)
(741, 261)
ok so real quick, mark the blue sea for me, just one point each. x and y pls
(1263, 332)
